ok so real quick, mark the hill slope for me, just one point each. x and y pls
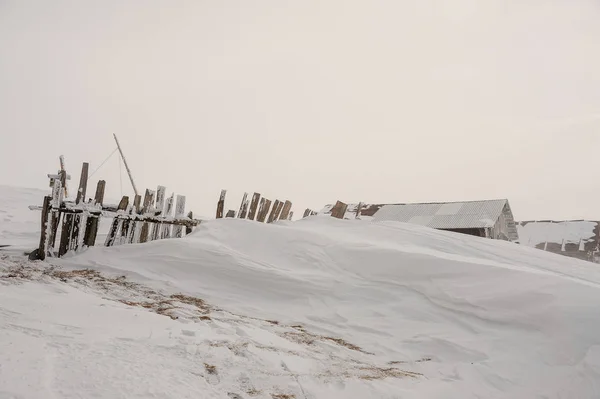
(319, 308)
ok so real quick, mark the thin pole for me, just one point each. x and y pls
(126, 166)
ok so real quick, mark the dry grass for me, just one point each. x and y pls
(210, 369)
(377, 373)
(253, 392)
(282, 396)
(302, 336)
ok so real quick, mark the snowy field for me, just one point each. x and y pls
(318, 308)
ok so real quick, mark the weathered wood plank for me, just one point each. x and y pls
(262, 215)
(271, 218)
(285, 211)
(83, 181)
(188, 228)
(339, 210)
(245, 209)
(91, 228)
(180, 212)
(359, 208)
(160, 208)
(253, 206)
(166, 228)
(291, 215)
(242, 205)
(221, 204)
(230, 214)
(261, 207)
(45, 228)
(148, 200)
(116, 225)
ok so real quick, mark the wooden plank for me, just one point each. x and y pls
(359, 208)
(91, 228)
(271, 218)
(291, 215)
(160, 208)
(148, 200)
(261, 207)
(66, 234)
(285, 211)
(242, 205)
(307, 213)
(57, 199)
(188, 228)
(253, 206)
(230, 214)
(130, 227)
(262, 215)
(221, 204)
(180, 211)
(245, 209)
(83, 181)
(166, 228)
(116, 225)
(45, 228)
(339, 210)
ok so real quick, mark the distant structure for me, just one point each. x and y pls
(575, 238)
(366, 211)
(490, 218)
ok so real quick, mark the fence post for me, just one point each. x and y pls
(91, 229)
(166, 229)
(46, 228)
(271, 218)
(243, 206)
(221, 204)
(253, 205)
(160, 208)
(291, 215)
(148, 200)
(278, 211)
(188, 228)
(83, 180)
(359, 208)
(114, 228)
(262, 215)
(179, 212)
(230, 214)
(285, 212)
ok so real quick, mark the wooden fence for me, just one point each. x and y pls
(257, 208)
(76, 222)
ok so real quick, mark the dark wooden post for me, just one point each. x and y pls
(306, 213)
(291, 215)
(245, 206)
(166, 228)
(148, 199)
(285, 212)
(339, 210)
(179, 212)
(262, 215)
(44, 236)
(221, 204)
(91, 228)
(160, 208)
(253, 205)
(359, 208)
(188, 227)
(230, 214)
(114, 228)
(83, 180)
(242, 204)
(271, 218)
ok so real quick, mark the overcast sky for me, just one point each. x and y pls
(312, 101)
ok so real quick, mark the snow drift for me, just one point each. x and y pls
(319, 308)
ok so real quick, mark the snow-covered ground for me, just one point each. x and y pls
(318, 308)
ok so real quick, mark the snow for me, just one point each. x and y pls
(318, 308)
(536, 233)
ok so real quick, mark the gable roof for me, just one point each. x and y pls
(445, 215)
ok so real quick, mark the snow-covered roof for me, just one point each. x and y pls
(445, 215)
(534, 233)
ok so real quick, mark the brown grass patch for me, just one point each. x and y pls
(253, 392)
(377, 373)
(210, 369)
(282, 396)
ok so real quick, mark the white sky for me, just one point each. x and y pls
(313, 101)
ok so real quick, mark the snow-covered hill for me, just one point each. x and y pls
(319, 308)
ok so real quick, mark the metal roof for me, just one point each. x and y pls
(445, 215)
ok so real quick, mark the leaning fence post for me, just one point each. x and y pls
(265, 210)
(91, 229)
(160, 208)
(271, 218)
(179, 212)
(242, 205)
(278, 211)
(221, 204)
(285, 212)
(253, 205)
(148, 199)
(46, 228)
(188, 227)
(166, 228)
(114, 228)
(339, 210)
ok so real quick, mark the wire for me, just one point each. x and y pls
(102, 164)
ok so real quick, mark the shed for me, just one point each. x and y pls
(488, 218)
